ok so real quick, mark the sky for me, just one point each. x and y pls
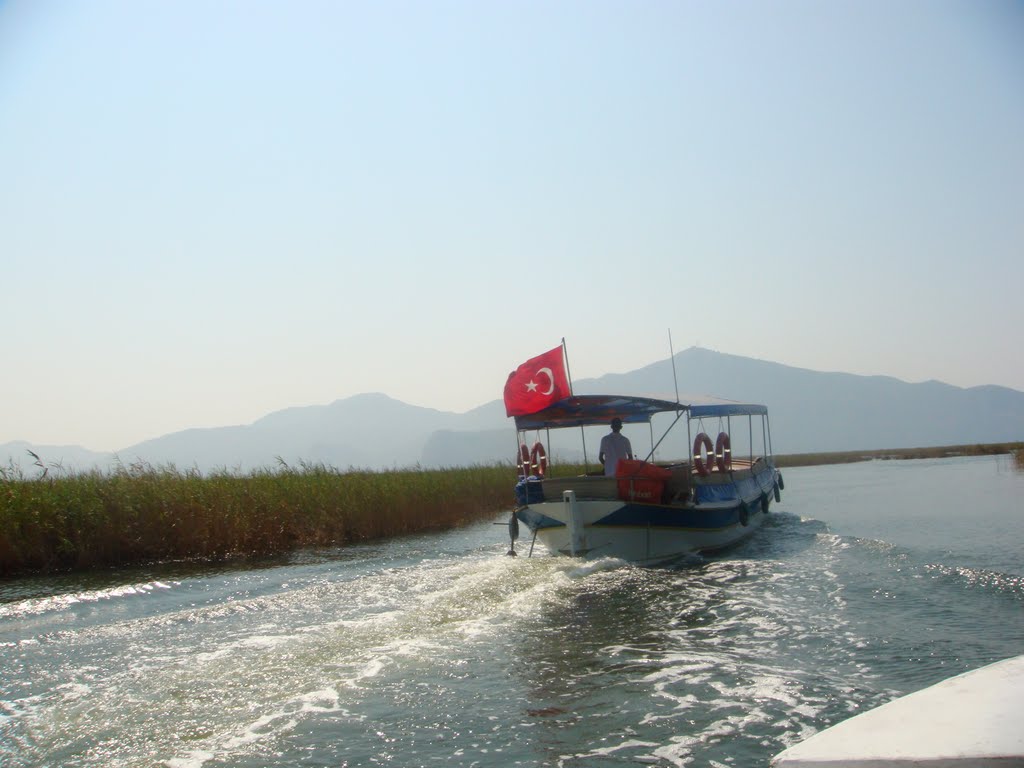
(210, 211)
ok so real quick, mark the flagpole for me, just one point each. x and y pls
(568, 373)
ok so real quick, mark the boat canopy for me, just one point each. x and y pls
(587, 410)
(727, 409)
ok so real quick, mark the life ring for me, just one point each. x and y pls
(523, 461)
(538, 459)
(698, 462)
(723, 452)
(744, 514)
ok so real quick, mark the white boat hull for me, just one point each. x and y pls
(648, 533)
(642, 544)
(973, 719)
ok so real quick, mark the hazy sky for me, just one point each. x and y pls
(213, 210)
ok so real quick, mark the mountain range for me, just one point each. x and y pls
(810, 411)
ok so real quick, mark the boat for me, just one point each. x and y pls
(650, 511)
(973, 719)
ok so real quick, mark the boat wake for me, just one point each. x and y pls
(287, 646)
(1003, 583)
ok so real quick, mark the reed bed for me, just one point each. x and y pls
(143, 514)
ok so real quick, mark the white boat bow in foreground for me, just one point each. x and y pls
(975, 719)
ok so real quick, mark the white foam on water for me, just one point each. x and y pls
(630, 744)
(369, 670)
(266, 727)
(265, 641)
(414, 647)
(40, 605)
(209, 656)
(194, 759)
(73, 691)
(24, 707)
(325, 700)
(259, 642)
(589, 567)
(805, 710)
(680, 749)
(975, 577)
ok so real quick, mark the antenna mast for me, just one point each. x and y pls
(672, 356)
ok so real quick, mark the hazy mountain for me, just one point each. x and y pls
(810, 411)
(71, 457)
(815, 411)
(369, 430)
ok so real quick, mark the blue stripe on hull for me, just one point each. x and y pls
(644, 515)
(652, 516)
(534, 520)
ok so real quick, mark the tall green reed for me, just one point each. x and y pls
(137, 513)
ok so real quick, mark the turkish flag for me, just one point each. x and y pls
(536, 384)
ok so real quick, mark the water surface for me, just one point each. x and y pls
(869, 580)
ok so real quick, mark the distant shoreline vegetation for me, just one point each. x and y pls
(939, 452)
(138, 514)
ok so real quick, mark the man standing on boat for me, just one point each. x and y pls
(614, 446)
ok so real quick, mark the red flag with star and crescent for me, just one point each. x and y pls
(536, 384)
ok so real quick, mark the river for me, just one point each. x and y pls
(868, 581)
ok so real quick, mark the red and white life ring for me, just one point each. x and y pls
(723, 452)
(538, 459)
(698, 460)
(523, 461)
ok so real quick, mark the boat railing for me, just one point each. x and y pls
(675, 488)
